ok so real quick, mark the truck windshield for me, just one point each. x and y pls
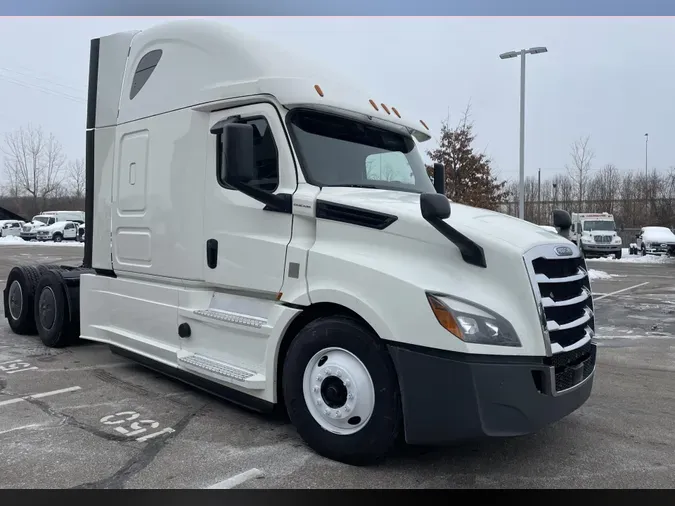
(43, 219)
(599, 225)
(336, 151)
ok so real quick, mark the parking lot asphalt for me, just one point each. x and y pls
(96, 420)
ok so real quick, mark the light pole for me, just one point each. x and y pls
(646, 146)
(505, 56)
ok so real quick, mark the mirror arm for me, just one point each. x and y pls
(281, 202)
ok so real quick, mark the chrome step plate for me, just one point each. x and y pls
(223, 371)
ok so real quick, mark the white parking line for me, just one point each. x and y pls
(238, 479)
(620, 291)
(21, 428)
(39, 396)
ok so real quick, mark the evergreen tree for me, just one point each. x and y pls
(468, 175)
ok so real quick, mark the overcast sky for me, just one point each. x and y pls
(610, 78)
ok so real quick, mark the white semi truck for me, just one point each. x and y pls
(241, 236)
(596, 235)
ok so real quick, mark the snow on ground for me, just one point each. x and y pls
(17, 241)
(634, 259)
(595, 275)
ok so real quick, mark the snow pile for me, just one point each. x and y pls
(635, 259)
(13, 240)
(594, 275)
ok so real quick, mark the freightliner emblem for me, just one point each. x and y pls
(563, 251)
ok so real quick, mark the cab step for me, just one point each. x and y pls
(221, 371)
(225, 318)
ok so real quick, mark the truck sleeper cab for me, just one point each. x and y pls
(278, 242)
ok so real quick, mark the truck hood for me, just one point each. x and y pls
(32, 225)
(658, 236)
(52, 228)
(480, 225)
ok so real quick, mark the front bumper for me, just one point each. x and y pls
(603, 249)
(453, 397)
(666, 249)
(28, 235)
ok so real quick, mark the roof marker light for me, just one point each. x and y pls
(373, 104)
(385, 108)
(424, 124)
(395, 111)
(318, 90)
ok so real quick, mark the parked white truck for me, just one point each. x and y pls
(366, 305)
(29, 231)
(595, 234)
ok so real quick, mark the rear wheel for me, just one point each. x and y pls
(341, 391)
(51, 312)
(19, 298)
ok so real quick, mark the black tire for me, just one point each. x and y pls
(19, 295)
(379, 435)
(51, 312)
(617, 255)
(644, 251)
(57, 237)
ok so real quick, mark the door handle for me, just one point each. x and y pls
(212, 253)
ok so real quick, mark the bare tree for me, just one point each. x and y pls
(582, 157)
(34, 164)
(76, 178)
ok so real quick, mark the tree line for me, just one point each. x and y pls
(37, 173)
(635, 198)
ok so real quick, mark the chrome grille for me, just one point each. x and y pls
(603, 238)
(563, 289)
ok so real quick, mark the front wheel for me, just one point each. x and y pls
(58, 238)
(644, 251)
(617, 255)
(341, 391)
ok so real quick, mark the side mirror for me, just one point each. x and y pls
(238, 164)
(439, 178)
(434, 206)
(562, 221)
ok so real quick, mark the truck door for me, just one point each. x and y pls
(69, 231)
(244, 246)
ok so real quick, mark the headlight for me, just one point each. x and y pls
(617, 240)
(587, 239)
(472, 324)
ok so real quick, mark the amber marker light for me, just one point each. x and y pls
(444, 316)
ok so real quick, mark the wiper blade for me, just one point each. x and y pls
(371, 186)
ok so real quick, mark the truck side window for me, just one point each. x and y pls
(266, 156)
